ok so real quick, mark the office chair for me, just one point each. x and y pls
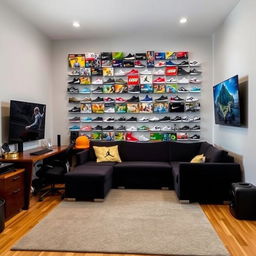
(52, 172)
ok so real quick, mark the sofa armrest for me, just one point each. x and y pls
(202, 181)
(82, 157)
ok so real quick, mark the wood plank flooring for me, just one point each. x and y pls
(238, 236)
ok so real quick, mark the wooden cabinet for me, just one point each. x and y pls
(12, 191)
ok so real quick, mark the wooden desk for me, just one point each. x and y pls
(27, 161)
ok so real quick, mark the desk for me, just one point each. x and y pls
(27, 161)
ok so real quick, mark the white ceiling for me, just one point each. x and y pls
(102, 18)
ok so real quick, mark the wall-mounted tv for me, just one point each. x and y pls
(27, 121)
(227, 102)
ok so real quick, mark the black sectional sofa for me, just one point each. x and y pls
(156, 165)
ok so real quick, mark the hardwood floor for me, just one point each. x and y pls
(238, 236)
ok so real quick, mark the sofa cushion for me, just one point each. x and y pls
(84, 170)
(183, 151)
(145, 151)
(143, 164)
(213, 154)
(93, 163)
(203, 148)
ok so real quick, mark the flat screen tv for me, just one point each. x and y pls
(27, 121)
(227, 102)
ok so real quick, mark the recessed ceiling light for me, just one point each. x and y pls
(76, 24)
(183, 20)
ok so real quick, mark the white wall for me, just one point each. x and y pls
(25, 68)
(199, 48)
(234, 53)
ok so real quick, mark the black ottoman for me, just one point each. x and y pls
(88, 182)
(243, 204)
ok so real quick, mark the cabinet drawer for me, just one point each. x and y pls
(11, 181)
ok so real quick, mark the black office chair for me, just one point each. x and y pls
(52, 172)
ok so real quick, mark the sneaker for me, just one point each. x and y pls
(195, 128)
(143, 138)
(98, 81)
(195, 89)
(108, 128)
(143, 119)
(195, 137)
(97, 90)
(109, 119)
(185, 119)
(98, 99)
(138, 64)
(86, 119)
(72, 90)
(108, 99)
(129, 57)
(184, 128)
(132, 72)
(146, 72)
(171, 80)
(176, 119)
(183, 81)
(73, 100)
(120, 100)
(195, 72)
(109, 81)
(195, 81)
(86, 99)
(120, 73)
(155, 128)
(98, 128)
(182, 72)
(160, 64)
(140, 56)
(132, 119)
(98, 119)
(121, 119)
(196, 119)
(170, 63)
(184, 63)
(74, 73)
(159, 80)
(182, 89)
(74, 81)
(176, 99)
(130, 137)
(109, 110)
(159, 72)
(85, 90)
(134, 89)
(182, 136)
(120, 81)
(154, 119)
(191, 99)
(194, 63)
(74, 128)
(133, 99)
(75, 119)
(147, 99)
(86, 128)
(143, 128)
(131, 129)
(74, 109)
(120, 128)
(161, 98)
(165, 119)
(166, 128)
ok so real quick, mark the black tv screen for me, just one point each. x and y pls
(27, 121)
(227, 102)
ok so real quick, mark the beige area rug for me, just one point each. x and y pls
(129, 221)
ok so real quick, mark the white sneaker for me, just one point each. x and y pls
(98, 81)
(143, 119)
(110, 110)
(154, 119)
(195, 81)
(171, 80)
(155, 128)
(159, 72)
(160, 64)
(120, 73)
(194, 63)
(146, 72)
(185, 119)
(167, 128)
(183, 81)
(131, 129)
(191, 99)
(143, 138)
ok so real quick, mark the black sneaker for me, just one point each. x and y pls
(165, 119)
(98, 99)
(121, 119)
(195, 128)
(184, 63)
(195, 72)
(97, 90)
(98, 119)
(134, 89)
(129, 57)
(74, 81)
(132, 119)
(195, 137)
(176, 119)
(121, 128)
(176, 99)
(74, 109)
(109, 81)
(182, 89)
(98, 128)
(120, 81)
(109, 119)
(133, 99)
(184, 128)
(182, 72)
(162, 98)
(73, 90)
(75, 119)
(108, 128)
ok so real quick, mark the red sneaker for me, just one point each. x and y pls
(132, 72)
(130, 137)
(120, 99)
(159, 80)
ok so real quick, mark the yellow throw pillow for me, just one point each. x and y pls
(198, 159)
(107, 154)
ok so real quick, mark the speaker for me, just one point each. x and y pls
(243, 204)
(58, 140)
(20, 146)
(73, 136)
